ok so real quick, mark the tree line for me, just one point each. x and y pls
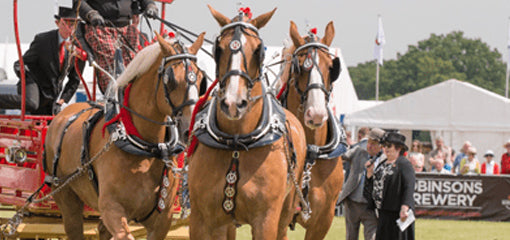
(439, 58)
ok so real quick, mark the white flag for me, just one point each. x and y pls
(379, 42)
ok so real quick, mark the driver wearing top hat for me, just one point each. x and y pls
(47, 62)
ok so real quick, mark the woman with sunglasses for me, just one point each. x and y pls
(389, 189)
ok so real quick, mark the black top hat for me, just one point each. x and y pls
(66, 13)
(396, 138)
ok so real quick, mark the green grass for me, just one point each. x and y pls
(425, 229)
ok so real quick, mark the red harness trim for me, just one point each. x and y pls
(124, 116)
(194, 141)
(281, 90)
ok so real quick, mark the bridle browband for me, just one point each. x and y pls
(236, 46)
(309, 64)
(166, 75)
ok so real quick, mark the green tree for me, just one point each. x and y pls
(439, 58)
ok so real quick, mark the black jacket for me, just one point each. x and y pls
(118, 12)
(42, 62)
(398, 189)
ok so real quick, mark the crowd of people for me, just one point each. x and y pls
(380, 177)
(379, 186)
(443, 159)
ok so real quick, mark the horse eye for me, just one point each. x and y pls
(168, 79)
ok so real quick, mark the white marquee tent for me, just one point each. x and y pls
(456, 110)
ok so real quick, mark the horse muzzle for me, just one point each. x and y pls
(315, 118)
(234, 110)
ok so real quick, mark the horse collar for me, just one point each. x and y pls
(336, 145)
(270, 129)
(134, 144)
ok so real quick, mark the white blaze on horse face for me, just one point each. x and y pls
(316, 112)
(232, 93)
(193, 95)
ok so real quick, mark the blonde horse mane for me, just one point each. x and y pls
(142, 62)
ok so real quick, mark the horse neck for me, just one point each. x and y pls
(142, 100)
(249, 122)
(317, 136)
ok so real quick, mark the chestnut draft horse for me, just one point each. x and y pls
(135, 158)
(309, 72)
(251, 151)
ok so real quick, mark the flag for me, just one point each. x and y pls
(379, 42)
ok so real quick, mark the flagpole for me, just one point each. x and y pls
(379, 42)
(507, 76)
(508, 62)
(377, 81)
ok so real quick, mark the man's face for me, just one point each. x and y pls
(439, 142)
(465, 147)
(373, 147)
(66, 27)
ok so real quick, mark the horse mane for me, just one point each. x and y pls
(140, 64)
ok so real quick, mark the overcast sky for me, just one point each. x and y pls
(405, 21)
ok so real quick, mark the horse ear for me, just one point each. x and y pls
(193, 49)
(329, 34)
(220, 18)
(166, 49)
(294, 35)
(262, 20)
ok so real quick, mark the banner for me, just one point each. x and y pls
(462, 197)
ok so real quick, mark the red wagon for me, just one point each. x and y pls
(21, 174)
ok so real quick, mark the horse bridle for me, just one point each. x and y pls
(236, 46)
(166, 75)
(310, 63)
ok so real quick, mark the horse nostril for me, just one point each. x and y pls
(224, 106)
(242, 104)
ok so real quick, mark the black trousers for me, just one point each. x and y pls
(13, 101)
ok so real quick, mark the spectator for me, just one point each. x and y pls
(108, 29)
(441, 153)
(439, 168)
(460, 156)
(362, 133)
(505, 159)
(356, 211)
(362, 142)
(417, 162)
(490, 167)
(416, 155)
(390, 188)
(48, 61)
(470, 165)
(349, 140)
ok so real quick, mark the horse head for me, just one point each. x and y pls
(313, 72)
(239, 53)
(180, 79)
